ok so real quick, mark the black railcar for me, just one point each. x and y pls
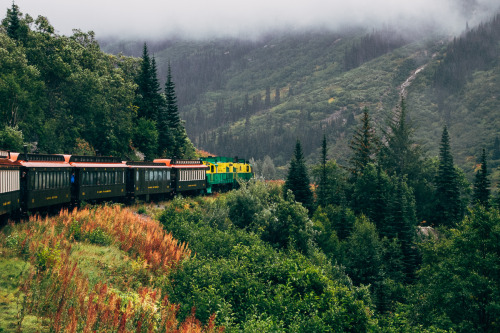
(97, 178)
(148, 179)
(44, 180)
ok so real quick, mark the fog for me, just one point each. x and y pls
(248, 19)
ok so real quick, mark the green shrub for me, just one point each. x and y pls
(48, 257)
(99, 237)
(75, 230)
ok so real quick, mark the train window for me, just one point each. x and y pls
(168, 174)
(160, 175)
(85, 178)
(147, 175)
(137, 175)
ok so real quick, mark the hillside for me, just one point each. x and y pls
(254, 98)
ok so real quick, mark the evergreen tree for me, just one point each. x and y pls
(157, 100)
(447, 209)
(496, 149)
(364, 253)
(400, 154)
(401, 223)
(144, 86)
(267, 101)
(179, 140)
(297, 180)
(322, 187)
(13, 22)
(481, 193)
(364, 145)
(277, 98)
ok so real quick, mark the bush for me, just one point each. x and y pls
(99, 237)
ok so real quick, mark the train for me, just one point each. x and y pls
(33, 182)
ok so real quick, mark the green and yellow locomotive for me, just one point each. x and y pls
(224, 172)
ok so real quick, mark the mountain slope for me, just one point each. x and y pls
(254, 98)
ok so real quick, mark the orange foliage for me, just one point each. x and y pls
(66, 299)
(203, 153)
(134, 234)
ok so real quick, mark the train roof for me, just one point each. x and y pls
(36, 160)
(222, 159)
(180, 163)
(92, 159)
(147, 165)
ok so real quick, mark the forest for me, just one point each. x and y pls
(63, 94)
(395, 242)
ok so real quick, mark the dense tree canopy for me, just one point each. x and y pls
(60, 91)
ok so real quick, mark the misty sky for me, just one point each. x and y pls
(239, 18)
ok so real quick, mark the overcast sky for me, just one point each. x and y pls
(241, 18)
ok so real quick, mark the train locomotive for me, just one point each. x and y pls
(31, 182)
(225, 172)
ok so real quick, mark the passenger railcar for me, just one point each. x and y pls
(148, 179)
(97, 178)
(44, 180)
(188, 175)
(10, 186)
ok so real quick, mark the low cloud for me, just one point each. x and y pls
(200, 18)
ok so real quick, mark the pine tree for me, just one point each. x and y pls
(277, 97)
(364, 145)
(267, 101)
(496, 149)
(481, 194)
(323, 183)
(144, 85)
(179, 140)
(297, 180)
(447, 206)
(401, 224)
(400, 154)
(148, 97)
(14, 25)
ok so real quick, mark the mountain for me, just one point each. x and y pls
(256, 97)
